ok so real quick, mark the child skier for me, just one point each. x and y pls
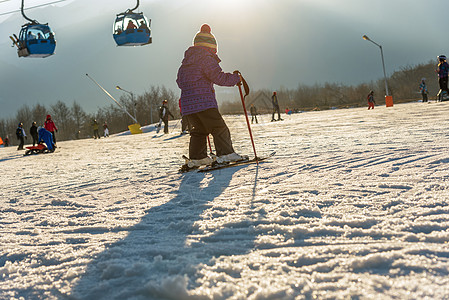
(199, 71)
(370, 99)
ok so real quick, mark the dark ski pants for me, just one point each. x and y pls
(276, 110)
(443, 84)
(165, 125)
(204, 123)
(35, 139)
(424, 97)
(254, 117)
(21, 142)
(370, 105)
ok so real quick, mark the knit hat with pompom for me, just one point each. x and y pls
(205, 39)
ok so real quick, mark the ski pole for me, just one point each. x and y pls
(210, 147)
(246, 87)
(176, 125)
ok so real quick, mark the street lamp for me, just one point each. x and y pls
(366, 38)
(132, 99)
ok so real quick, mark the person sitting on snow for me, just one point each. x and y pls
(46, 137)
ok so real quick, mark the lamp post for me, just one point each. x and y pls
(366, 38)
(132, 99)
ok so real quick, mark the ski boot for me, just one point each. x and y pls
(191, 164)
(230, 158)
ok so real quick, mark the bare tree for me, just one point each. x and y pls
(79, 118)
(62, 116)
(24, 116)
(39, 113)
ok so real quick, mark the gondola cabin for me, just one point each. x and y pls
(132, 29)
(36, 40)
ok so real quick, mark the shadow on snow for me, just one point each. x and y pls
(159, 259)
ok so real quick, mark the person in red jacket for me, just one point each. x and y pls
(370, 99)
(50, 126)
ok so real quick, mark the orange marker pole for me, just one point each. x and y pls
(246, 114)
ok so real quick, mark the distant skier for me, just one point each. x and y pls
(198, 73)
(33, 133)
(276, 109)
(20, 133)
(105, 129)
(423, 90)
(50, 126)
(443, 71)
(253, 111)
(164, 112)
(95, 128)
(46, 137)
(370, 99)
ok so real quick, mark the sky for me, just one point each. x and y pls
(275, 44)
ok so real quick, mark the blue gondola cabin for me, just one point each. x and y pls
(132, 29)
(36, 40)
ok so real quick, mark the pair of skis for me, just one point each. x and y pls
(218, 166)
(15, 40)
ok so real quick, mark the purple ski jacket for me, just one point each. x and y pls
(199, 71)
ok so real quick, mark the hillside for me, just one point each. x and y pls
(355, 204)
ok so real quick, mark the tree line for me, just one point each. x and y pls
(73, 122)
(403, 85)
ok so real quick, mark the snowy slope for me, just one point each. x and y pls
(355, 204)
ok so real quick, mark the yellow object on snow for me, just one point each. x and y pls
(135, 128)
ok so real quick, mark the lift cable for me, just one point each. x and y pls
(15, 11)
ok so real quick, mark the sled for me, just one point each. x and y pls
(40, 148)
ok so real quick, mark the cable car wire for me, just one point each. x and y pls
(40, 5)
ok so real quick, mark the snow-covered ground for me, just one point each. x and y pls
(355, 204)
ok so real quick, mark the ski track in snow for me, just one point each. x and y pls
(355, 204)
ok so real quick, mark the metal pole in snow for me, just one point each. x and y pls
(110, 96)
(366, 38)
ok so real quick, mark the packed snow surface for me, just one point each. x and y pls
(355, 204)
